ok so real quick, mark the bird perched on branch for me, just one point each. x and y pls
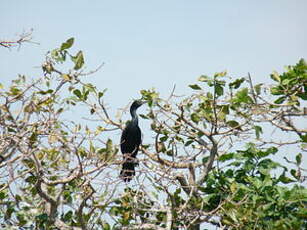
(129, 143)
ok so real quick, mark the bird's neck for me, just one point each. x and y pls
(134, 116)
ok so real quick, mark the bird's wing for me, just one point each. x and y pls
(139, 136)
(123, 138)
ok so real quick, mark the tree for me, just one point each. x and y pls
(216, 155)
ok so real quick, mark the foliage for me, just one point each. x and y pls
(219, 155)
(258, 199)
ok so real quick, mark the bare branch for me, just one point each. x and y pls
(208, 165)
(25, 37)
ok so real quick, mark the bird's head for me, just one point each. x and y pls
(136, 104)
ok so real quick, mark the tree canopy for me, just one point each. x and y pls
(229, 154)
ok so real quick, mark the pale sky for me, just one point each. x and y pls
(147, 44)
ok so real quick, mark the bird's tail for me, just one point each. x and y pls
(128, 171)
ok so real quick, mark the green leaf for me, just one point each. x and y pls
(144, 116)
(195, 87)
(286, 81)
(267, 164)
(42, 217)
(195, 118)
(304, 138)
(170, 152)
(100, 94)
(21, 219)
(207, 198)
(85, 95)
(258, 88)
(29, 162)
(280, 100)
(67, 195)
(294, 173)
(3, 195)
(233, 124)
(68, 216)
(219, 90)
(188, 143)
(109, 145)
(226, 157)
(11, 130)
(285, 180)
(242, 96)
(59, 56)
(31, 179)
(276, 90)
(298, 159)
(90, 87)
(164, 138)
(78, 93)
(272, 150)
(225, 109)
(205, 159)
(67, 44)
(106, 226)
(92, 148)
(15, 91)
(237, 83)
(78, 60)
(33, 138)
(258, 130)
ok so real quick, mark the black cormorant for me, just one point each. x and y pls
(129, 143)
